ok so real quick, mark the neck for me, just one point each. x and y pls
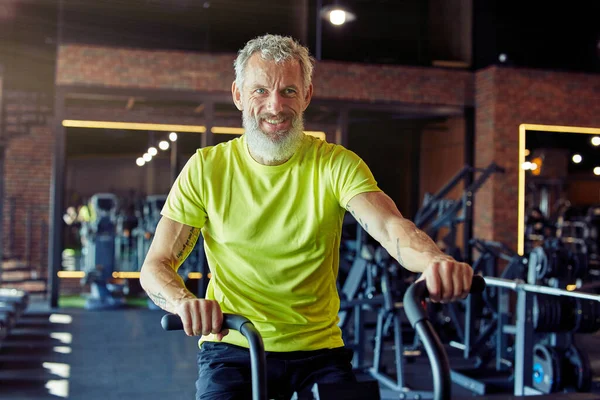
(264, 161)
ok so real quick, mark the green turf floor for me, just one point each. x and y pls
(78, 301)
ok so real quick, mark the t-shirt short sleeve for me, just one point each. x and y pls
(350, 176)
(185, 203)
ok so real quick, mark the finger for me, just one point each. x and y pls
(217, 318)
(222, 334)
(206, 314)
(457, 283)
(433, 282)
(196, 318)
(447, 283)
(467, 281)
(187, 322)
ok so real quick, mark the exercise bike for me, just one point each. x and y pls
(438, 358)
(346, 391)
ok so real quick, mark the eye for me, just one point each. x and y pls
(260, 91)
(289, 91)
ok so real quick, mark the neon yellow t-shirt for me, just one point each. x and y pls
(272, 235)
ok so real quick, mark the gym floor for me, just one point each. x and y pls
(112, 355)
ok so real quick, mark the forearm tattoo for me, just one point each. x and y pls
(360, 221)
(398, 256)
(188, 246)
(351, 211)
(364, 225)
(158, 299)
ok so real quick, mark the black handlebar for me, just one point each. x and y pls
(438, 358)
(172, 322)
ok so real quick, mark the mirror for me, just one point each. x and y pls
(559, 186)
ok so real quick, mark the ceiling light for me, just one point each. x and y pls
(147, 157)
(527, 152)
(172, 136)
(596, 140)
(526, 165)
(337, 15)
(577, 158)
(533, 166)
(597, 171)
(152, 151)
(163, 145)
(140, 161)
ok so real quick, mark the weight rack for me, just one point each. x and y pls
(524, 329)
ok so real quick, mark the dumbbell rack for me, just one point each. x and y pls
(524, 327)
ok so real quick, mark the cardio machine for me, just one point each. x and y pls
(98, 249)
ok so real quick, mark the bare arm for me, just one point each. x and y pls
(447, 279)
(171, 245)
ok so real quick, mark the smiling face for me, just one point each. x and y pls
(272, 100)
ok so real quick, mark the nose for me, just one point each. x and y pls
(275, 103)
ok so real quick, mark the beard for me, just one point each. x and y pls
(277, 148)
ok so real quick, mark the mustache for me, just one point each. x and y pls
(282, 115)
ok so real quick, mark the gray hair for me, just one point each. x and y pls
(275, 48)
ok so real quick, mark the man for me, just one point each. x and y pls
(270, 206)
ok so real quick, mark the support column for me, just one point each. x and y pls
(55, 245)
(469, 157)
(2, 160)
(319, 31)
(57, 184)
(301, 11)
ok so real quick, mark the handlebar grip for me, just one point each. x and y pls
(172, 322)
(438, 358)
(418, 292)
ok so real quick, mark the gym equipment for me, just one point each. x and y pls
(98, 239)
(550, 361)
(144, 233)
(346, 391)
(125, 244)
(258, 361)
(438, 212)
(19, 298)
(146, 228)
(555, 260)
(438, 357)
(474, 326)
(553, 315)
(417, 317)
(373, 283)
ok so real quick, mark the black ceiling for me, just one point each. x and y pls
(531, 33)
(534, 34)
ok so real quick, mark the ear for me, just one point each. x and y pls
(237, 96)
(308, 96)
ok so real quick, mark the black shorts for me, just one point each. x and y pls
(224, 371)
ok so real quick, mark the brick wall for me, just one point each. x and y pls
(28, 173)
(104, 66)
(442, 156)
(506, 98)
